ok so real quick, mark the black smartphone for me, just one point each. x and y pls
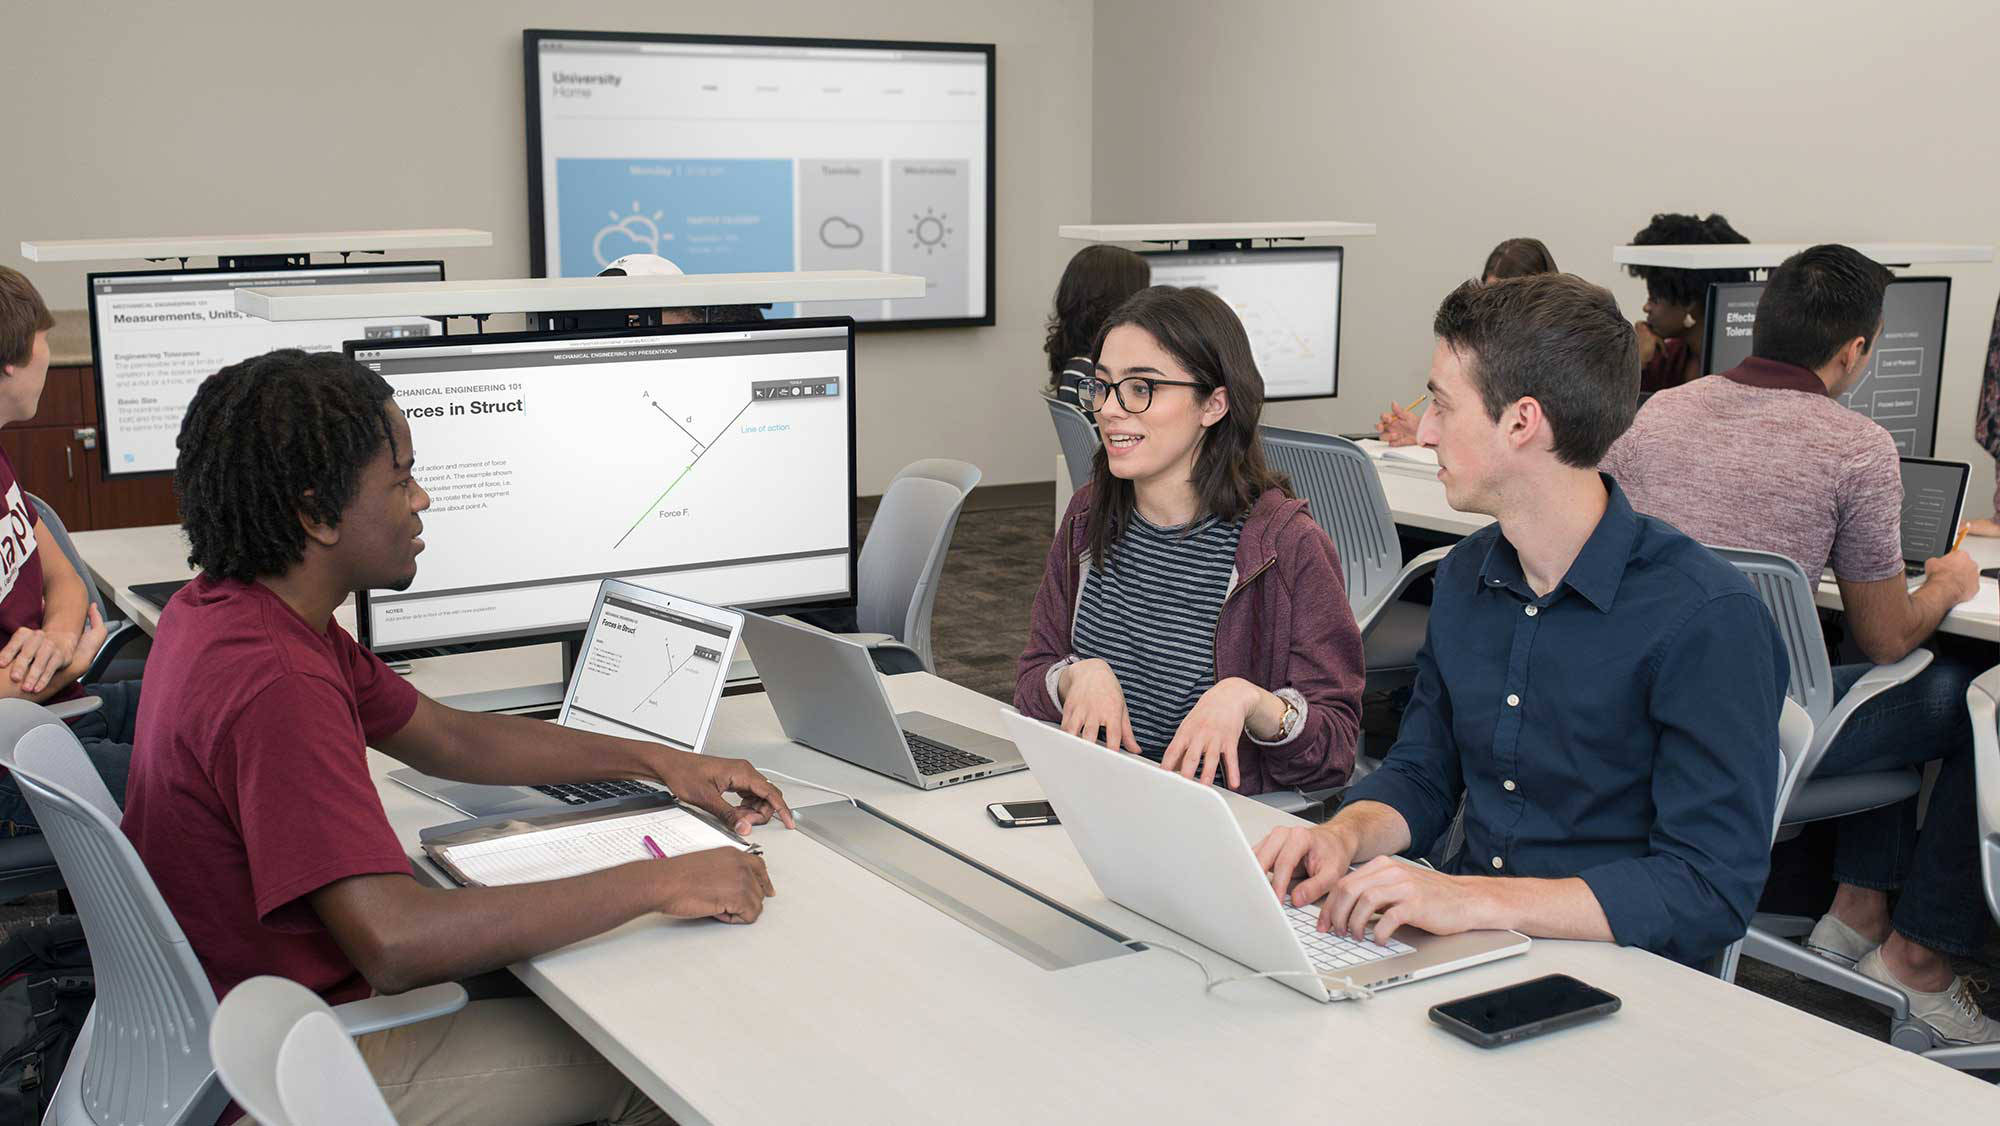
(1516, 1012)
(1015, 814)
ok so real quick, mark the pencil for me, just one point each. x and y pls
(1962, 529)
(1414, 403)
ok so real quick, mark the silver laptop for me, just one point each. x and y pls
(651, 667)
(1168, 848)
(828, 697)
(1933, 503)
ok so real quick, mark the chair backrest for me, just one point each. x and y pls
(1078, 437)
(1788, 594)
(1983, 700)
(147, 1060)
(56, 528)
(283, 1055)
(1795, 736)
(1343, 492)
(906, 548)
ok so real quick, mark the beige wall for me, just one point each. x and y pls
(1454, 125)
(209, 117)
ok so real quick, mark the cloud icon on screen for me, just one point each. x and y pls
(637, 233)
(837, 233)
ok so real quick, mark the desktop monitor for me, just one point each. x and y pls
(1899, 390)
(745, 154)
(1289, 301)
(716, 464)
(156, 334)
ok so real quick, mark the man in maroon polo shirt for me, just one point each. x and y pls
(250, 798)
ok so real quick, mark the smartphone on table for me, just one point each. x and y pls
(1015, 814)
(1516, 1012)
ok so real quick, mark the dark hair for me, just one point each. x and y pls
(1687, 288)
(1201, 332)
(1519, 258)
(22, 315)
(265, 441)
(1815, 302)
(1097, 280)
(1554, 338)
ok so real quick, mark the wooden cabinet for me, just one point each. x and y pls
(57, 457)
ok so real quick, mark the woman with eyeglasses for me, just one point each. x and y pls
(1192, 611)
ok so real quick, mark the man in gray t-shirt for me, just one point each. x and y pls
(1763, 457)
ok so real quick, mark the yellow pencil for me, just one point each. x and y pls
(1962, 529)
(1414, 403)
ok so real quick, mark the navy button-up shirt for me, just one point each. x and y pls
(1622, 728)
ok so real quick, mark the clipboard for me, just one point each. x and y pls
(565, 839)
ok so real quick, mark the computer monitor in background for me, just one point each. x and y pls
(1289, 301)
(156, 334)
(714, 464)
(1900, 388)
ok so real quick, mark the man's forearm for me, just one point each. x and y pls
(1565, 908)
(1377, 828)
(515, 750)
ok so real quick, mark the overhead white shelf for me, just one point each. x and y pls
(1182, 232)
(558, 295)
(236, 246)
(1767, 255)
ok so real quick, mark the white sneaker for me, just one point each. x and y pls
(1837, 942)
(1952, 1016)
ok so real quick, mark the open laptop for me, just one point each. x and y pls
(1168, 848)
(651, 667)
(828, 697)
(1933, 505)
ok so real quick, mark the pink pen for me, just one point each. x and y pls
(653, 847)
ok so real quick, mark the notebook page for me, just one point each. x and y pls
(573, 850)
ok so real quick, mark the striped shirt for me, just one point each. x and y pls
(1150, 613)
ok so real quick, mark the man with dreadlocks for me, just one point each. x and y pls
(250, 798)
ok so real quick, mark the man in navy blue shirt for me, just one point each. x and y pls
(1601, 691)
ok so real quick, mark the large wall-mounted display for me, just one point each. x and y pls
(731, 154)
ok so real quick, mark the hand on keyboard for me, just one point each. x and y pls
(1404, 894)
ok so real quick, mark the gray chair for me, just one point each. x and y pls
(285, 1058)
(1078, 437)
(1795, 738)
(1343, 492)
(121, 633)
(142, 1057)
(1982, 699)
(1784, 588)
(904, 554)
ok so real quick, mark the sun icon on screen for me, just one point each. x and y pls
(929, 232)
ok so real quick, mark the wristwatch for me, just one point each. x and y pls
(1285, 720)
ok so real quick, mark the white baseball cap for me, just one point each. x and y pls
(643, 265)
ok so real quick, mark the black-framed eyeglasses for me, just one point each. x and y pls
(1135, 393)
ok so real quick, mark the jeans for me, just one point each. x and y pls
(1943, 900)
(106, 735)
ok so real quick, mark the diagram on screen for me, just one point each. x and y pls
(695, 664)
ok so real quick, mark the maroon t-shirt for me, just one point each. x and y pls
(250, 788)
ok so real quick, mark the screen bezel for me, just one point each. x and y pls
(105, 471)
(363, 626)
(658, 600)
(1710, 302)
(1339, 298)
(1958, 507)
(531, 42)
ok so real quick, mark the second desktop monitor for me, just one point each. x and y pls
(714, 464)
(1288, 299)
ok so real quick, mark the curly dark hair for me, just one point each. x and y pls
(266, 440)
(1687, 288)
(1097, 280)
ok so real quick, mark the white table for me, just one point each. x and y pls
(852, 1001)
(1416, 499)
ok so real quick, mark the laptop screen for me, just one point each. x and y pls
(651, 667)
(1933, 498)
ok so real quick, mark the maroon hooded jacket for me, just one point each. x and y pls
(1284, 624)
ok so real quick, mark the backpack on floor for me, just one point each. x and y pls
(46, 989)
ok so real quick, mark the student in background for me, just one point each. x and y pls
(49, 630)
(1514, 258)
(652, 265)
(1670, 336)
(1097, 280)
(1598, 690)
(1986, 427)
(1763, 456)
(1192, 611)
(250, 798)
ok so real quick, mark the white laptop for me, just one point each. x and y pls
(651, 667)
(1168, 848)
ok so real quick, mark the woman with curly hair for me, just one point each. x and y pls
(1096, 281)
(1670, 336)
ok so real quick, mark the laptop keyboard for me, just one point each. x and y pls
(936, 758)
(1332, 953)
(583, 793)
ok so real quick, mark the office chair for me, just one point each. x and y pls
(142, 1058)
(1785, 589)
(904, 554)
(1982, 699)
(282, 1054)
(1795, 738)
(1079, 440)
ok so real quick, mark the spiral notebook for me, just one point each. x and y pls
(496, 851)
